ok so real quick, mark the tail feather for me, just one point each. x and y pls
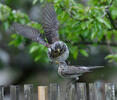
(95, 67)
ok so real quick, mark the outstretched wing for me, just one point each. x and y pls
(29, 32)
(50, 23)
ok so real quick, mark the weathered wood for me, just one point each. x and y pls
(42, 93)
(28, 92)
(1, 92)
(91, 91)
(76, 91)
(80, 92)
(14, 92)
(96, 91)
(69, 91)
(72, 93)
(54, 92)
(109, 91)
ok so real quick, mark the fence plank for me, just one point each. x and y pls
(28, 92)
(97, 91)
(91, 91)
(1, 92)
(42, 93)
(80, 92)
(76, 91)
(54, 92)
(109, 91)
(14, 92)
(69, 91)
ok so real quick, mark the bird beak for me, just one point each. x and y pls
(57, 62)
(58, 50)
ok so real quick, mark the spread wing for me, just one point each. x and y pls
(50, 23)
(29, 32)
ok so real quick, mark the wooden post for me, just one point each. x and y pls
(28, 92)
(91, 91)
(80, 92)
(1, 93)
(69, 91)
(109, 91)
(97, 91)
(14, 92)
(72, 93)
(54, 92)
(76, 91)
(42, 93)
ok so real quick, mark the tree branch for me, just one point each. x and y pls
(98, 43)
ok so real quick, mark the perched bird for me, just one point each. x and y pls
(73, 72)
(57, 50)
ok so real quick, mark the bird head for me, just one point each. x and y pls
(57, 49)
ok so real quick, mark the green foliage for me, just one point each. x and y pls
(83, 52)
(38, 52)
(35, 1)
(77, 23)
(112, 57)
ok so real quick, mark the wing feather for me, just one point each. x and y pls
(50, 23)
(29, 32)
(72, 70)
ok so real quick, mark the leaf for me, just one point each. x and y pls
(83, 52)
(34, 48)
(14, 36)
(93, 35)
(112, 57)
(6, 25)
(35, 1)
(75, 54)
(41, 1)
(37, 58)
(104, 22)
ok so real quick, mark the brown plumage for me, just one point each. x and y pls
(68, 71)
(50, 23)
(30, 33)
(57, 50)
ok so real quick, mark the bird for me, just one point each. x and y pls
(57, 49)
(73, 72)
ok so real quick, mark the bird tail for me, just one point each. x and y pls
(95, 67)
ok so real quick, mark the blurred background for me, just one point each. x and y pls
(90, 26)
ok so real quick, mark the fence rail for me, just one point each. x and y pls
(78, 91)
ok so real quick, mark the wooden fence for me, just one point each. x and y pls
(78, 91)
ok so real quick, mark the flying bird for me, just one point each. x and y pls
(73, 72)
(57, 49)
